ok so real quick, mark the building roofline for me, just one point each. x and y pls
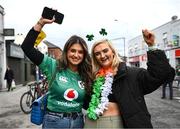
(177, 20)
(51, 45)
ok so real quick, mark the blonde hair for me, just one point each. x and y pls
(116, 60)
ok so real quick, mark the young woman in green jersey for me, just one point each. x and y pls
(71, 82)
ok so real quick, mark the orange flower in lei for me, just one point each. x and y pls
(103, 71)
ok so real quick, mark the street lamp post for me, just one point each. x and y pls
(123, 38)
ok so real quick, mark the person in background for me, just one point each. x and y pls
(168, 82)
(178, 70)
(72, 78)
(178, 76)
(9, 76)
(118, 100)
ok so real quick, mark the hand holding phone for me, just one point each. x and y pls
(49, 13)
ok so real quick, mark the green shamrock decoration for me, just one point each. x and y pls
(90, 37)
(103, 32)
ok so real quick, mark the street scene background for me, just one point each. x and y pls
(123, 21)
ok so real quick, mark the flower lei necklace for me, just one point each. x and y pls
(102, 87)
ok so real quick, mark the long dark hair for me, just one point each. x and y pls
(85, 67)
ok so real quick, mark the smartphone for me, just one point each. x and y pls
(48, 13)
(59, 17)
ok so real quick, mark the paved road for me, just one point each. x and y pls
(165, 113)
(11, 115)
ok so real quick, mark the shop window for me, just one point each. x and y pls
(175, 40)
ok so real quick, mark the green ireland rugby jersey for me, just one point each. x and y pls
(67, 92)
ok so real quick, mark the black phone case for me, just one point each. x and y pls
(48, 13)
(59, 17)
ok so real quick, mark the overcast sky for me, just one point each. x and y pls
(120, 18)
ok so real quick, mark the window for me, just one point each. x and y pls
(175, 40)
(165, 40)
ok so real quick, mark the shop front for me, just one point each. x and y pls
(18, 63)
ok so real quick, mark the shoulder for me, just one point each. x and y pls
(135, 73)
(127, 71)
(134, 70)
(47, 60)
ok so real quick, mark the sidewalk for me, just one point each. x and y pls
(176, 91)
(6, 89)
(17, 87)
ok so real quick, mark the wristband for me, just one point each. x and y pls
(39, 23)
(152, 48)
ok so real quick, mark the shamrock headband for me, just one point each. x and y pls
(91, 36)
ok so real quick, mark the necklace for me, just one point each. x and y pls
(102, 87)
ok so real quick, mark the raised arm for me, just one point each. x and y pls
(158, 70)
(28, 45)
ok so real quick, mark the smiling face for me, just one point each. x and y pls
(75, 55)
(103, 54)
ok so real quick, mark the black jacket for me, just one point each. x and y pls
(9, 75)
(131, 84)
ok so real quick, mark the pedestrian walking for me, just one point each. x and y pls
(169, 83)
(118, 90)
(72, 79)
(9, 77)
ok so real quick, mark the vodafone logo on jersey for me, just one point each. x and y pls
(70, 94)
